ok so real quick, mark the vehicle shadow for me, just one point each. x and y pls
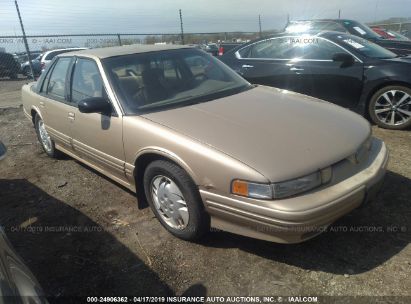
(69, 253)
(358, 242)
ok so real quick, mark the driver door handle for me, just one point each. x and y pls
(247, 66)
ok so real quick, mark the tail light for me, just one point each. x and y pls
(220, 51)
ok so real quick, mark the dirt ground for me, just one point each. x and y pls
(10, 95)
(82, 234)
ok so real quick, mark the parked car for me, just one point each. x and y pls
(349, 26)
(224, 47)
(17, 283)
(36, 63)
(211, 48)
(9, 67)
(22, 58)
(204, 146)
(388, 34)
(341, 68)
(49, 55)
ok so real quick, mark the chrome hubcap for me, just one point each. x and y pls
(393, 107)
(44, 137)
(169, 202)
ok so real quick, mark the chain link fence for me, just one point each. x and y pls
(14, 58)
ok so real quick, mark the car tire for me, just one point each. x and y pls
(27, 72)
(43, 137)
(175, 200)
(388, 107)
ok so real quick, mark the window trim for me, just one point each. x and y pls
(238, 56)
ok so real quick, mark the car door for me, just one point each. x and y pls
(271, 62)
(54, 105)
(97, 138)
(324, 78)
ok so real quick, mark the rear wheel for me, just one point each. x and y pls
(390, 107)
(175, 200)
(46, 142)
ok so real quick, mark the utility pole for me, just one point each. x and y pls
(181, 25)
(339, 14)
(259, 24)
(25, 39)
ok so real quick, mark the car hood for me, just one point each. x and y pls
(280, 134)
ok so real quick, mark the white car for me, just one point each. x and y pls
(49, 55)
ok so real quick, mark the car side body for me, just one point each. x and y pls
(315, 72)
(243, 136)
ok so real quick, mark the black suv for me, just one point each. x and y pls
(9, 67)
(349, 26)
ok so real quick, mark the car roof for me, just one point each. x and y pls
(322, 20)
(320, 33)
(126, 50)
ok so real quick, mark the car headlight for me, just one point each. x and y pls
(298, 185)
(282, 189)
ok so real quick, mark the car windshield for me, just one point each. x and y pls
(365, 47)
(359, 29)
(153, 81)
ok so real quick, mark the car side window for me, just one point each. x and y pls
(57, 82)
(319, 49)
(277, 48)
(87, 81)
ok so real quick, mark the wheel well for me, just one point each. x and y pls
(33, 115)
(379, 87)
(140, 167)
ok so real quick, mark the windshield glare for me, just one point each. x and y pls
(365, 47)
(152, 81)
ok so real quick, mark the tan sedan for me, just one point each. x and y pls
(203, 146)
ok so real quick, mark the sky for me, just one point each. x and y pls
(161, 16)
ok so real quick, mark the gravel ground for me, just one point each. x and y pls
(123, 250)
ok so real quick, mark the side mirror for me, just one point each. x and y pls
(3, 150)
(345, 59)
(94, 105)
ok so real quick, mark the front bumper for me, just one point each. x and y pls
(302, 217)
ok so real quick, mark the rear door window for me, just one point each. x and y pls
(57, 81)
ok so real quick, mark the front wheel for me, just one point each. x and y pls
(175, 200)
(390, 107)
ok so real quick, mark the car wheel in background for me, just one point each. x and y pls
(175, 200)
(46, 142)
(26, 71)
(390, 107)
